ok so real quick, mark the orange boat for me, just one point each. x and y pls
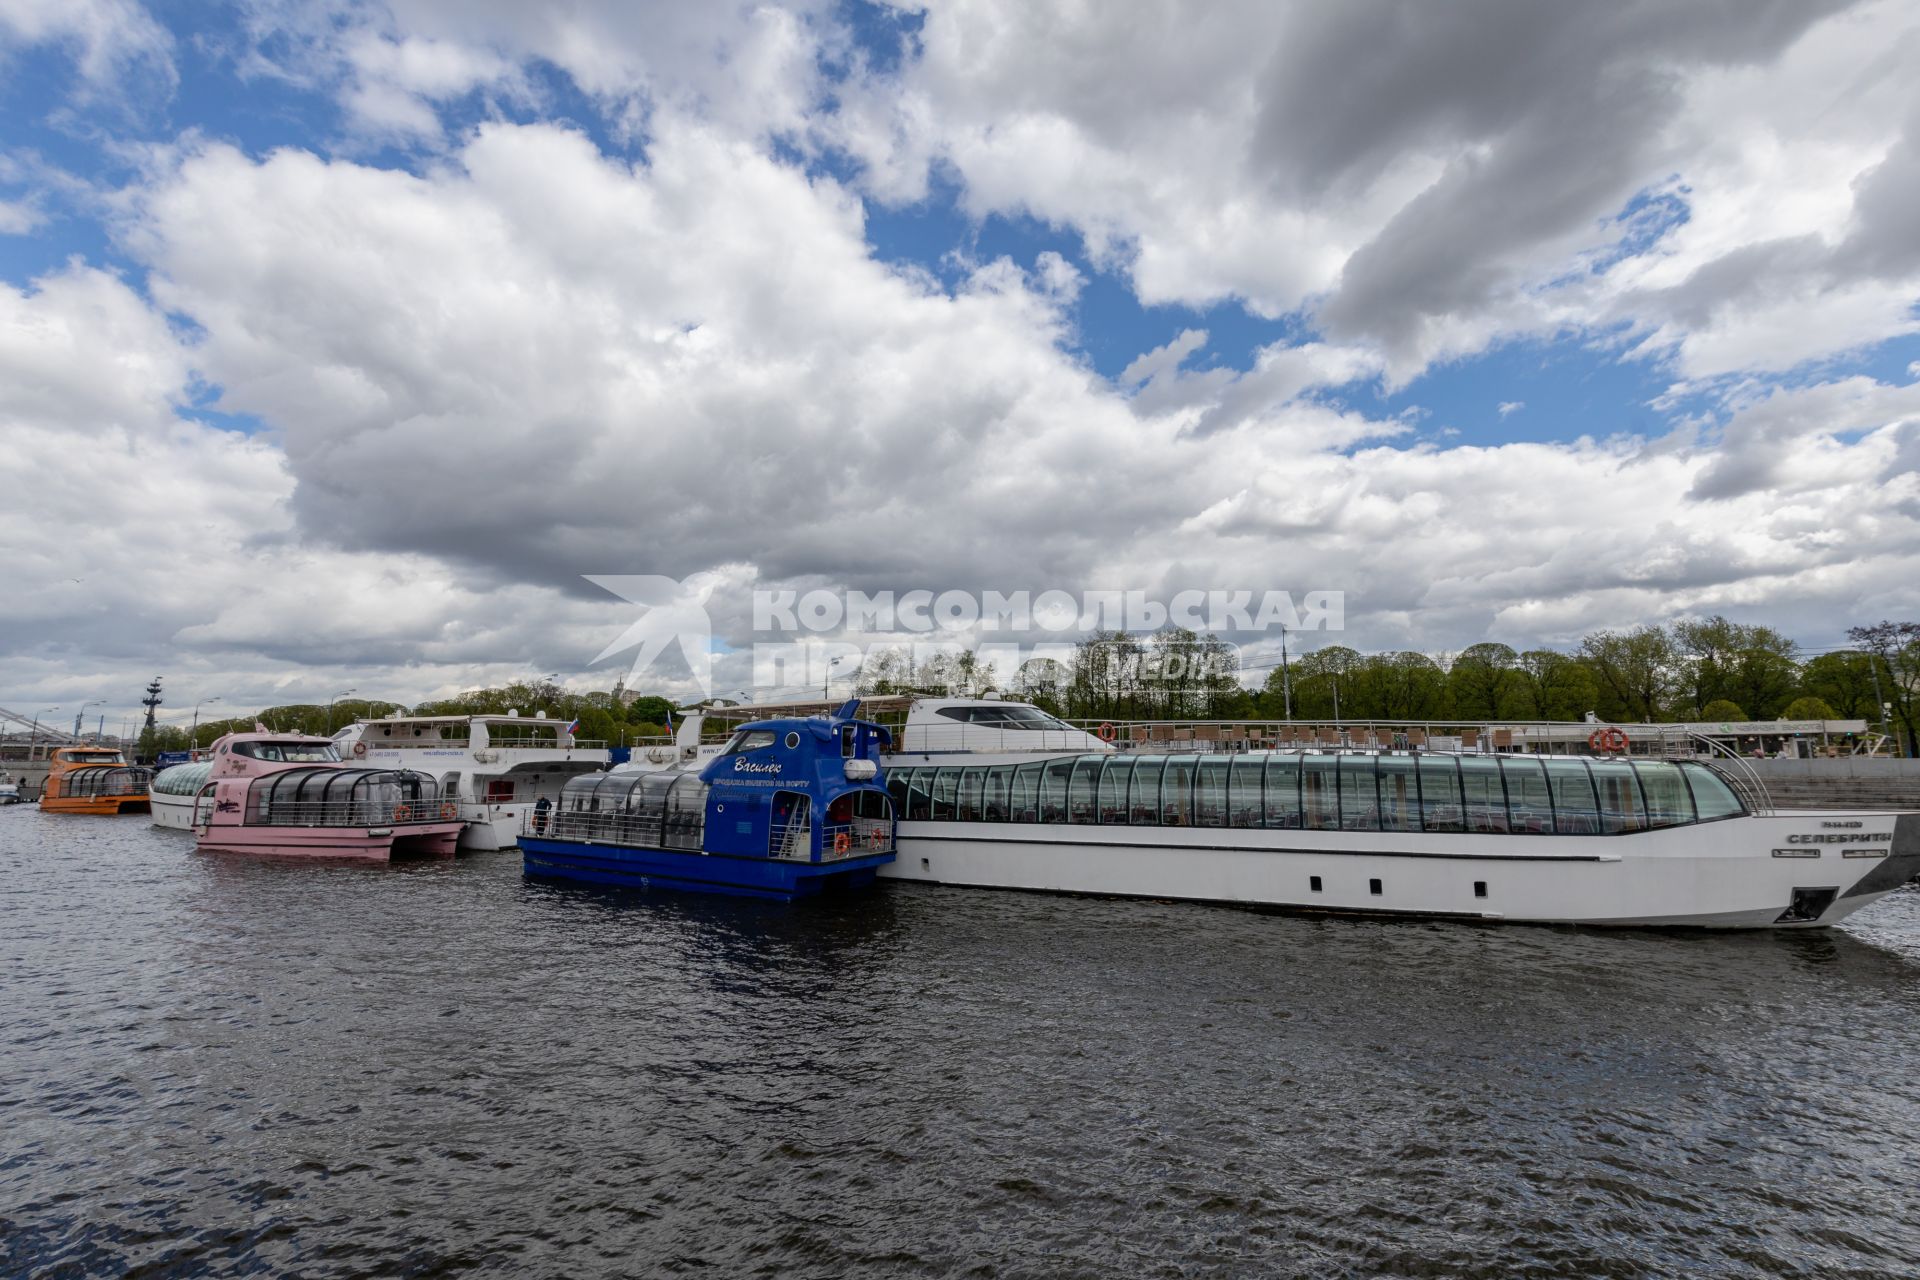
(94, 780)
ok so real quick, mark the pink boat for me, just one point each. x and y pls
(286, 795)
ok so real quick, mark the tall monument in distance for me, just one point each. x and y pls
(152, 702)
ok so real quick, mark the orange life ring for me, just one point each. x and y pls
(1107, 731)
(359, 748)
(1612, 738)
(448, 811)
(403, 813)
(842, 842)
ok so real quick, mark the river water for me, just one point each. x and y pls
(219, 1066)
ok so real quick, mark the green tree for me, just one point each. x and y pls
(1635, 670)
(1895, 650)
(650, 710)
(1805, 708)
(1844, 681)
(1321, 679)
(1481, 678)
(1720, 710)
(1549, 685)
(1394, 686)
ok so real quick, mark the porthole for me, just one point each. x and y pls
(1479, 888)
(1373, 887)
(1313, 883)
(793, 740)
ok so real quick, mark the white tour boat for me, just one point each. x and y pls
(495, 769)
(997, 794)
(9, 788)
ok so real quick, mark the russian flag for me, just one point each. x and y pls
(574, 727)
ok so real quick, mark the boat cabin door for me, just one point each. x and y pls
(790, 833)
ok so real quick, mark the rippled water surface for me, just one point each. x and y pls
(216, 1066)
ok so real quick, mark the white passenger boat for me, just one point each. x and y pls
(173, 789)
(495, 769)
(9, 788)
(998, 795)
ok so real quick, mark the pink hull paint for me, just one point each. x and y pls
(421, 840)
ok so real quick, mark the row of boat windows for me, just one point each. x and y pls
(101, 780)
(1489, 794)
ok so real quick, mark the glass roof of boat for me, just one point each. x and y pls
(182, 779)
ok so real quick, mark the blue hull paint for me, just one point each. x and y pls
(695, 872)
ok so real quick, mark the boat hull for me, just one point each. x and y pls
(691, 871)
(374, 844)
(94, 804)
(172, 812)
(1711, 875)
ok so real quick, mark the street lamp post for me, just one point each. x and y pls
(80, 715)
(335, 698)
(33, 734)
(193, 734)
(827, 679)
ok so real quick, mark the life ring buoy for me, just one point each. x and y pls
(876, 838)
(1107, 731)
(403, 813)
(448, 811)
(1610, 739)
(842, 842)
(359, 748)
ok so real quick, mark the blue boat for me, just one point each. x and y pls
(790, 808)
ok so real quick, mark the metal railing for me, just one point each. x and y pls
(337, 813)
(855, 838)
(1740, 775)
(617, 826)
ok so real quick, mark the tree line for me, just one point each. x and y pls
(1711, 669)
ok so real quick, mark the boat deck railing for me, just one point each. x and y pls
(855, 838)
(639, 830)
(339, 813)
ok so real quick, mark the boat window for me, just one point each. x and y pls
(1575, 812)
(847, 738)
(946, 783)
(1143, 793)
(1004, 716)
(1081, 790)
(897, 788)
(1712, 797)
(920, 794)
(686, 818)
(1482, 796)
(288, 752)
(1283, 792)
(1320, 792)
(1210, 792)
(1529, 806)
(1176, 793)
(1620, 807)
(1359, 797)
(999, 779)
(1026, 792)
(972, 783)
(1399, 794)
(1243, 791)
(1111, 802)
(1053, 789)
(1440, 807)
(1665, 791)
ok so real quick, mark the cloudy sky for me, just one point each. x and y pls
(339, 340)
